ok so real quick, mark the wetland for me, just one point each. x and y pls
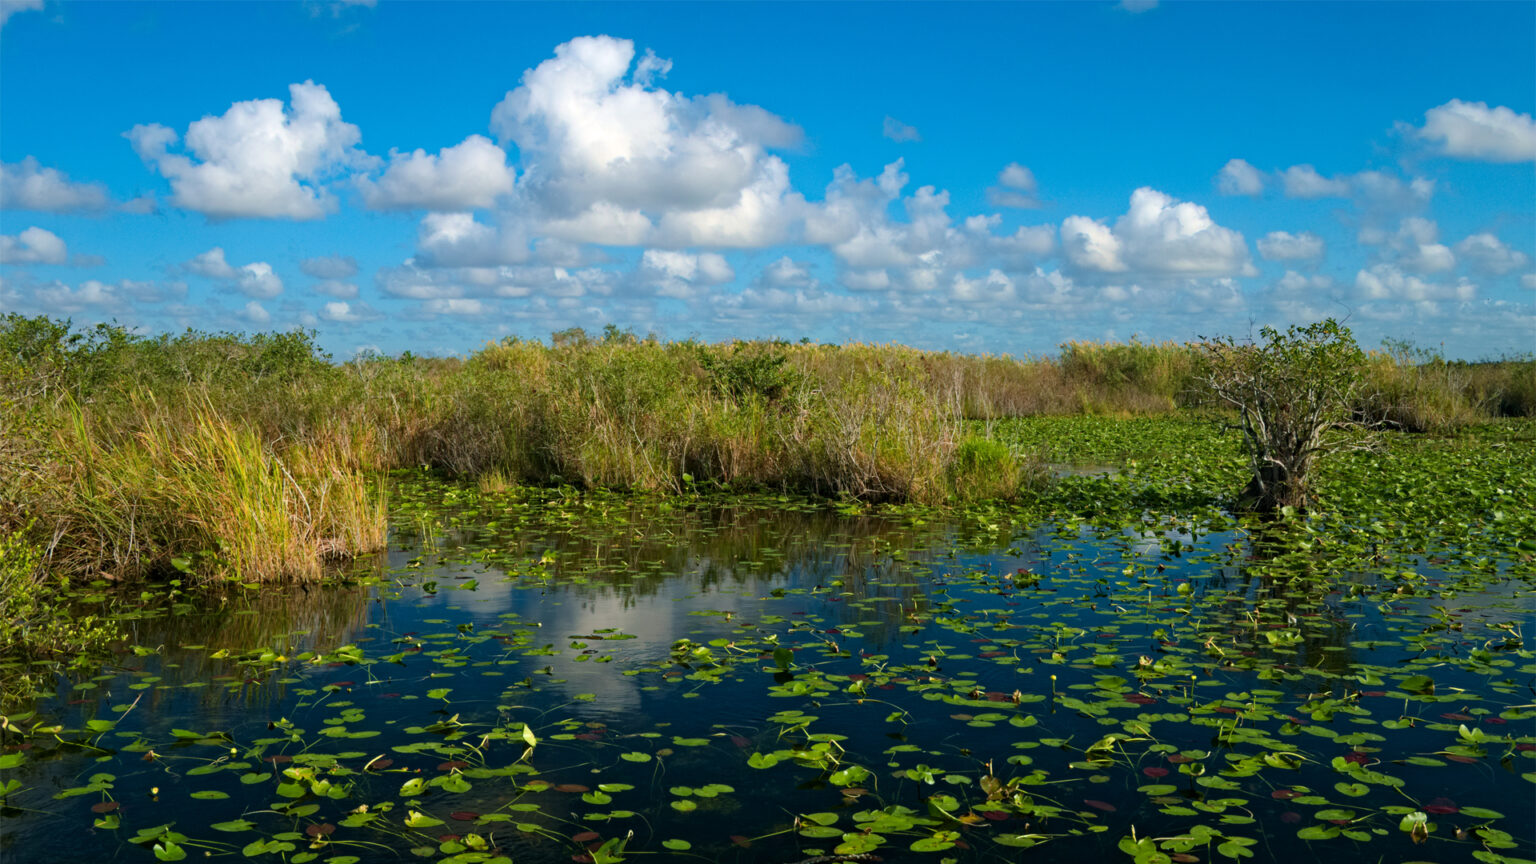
(1109, 662)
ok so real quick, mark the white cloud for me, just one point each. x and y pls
(1293, 284)
(27, 185)
(921, 254)
(256, 314)
(761, 215)
(11, 7)
(468, 176)
(898, 131)
(1418, 249)
(1015, 187)
(211, 264)
(682, 274)
(458, 240)
(1385, 282)
(1158, 235)
(1528, 281)
(448, 283)
(1303, 181)
(1284, 246)
(342, 312)
(57, 298)
(1489, 254)
(606, 155)
(330, 267)
(460, 306)
(1026, 244)
(1238, 177)
(1472, 130)
(256, 279)
(1091, 245)
(259, 159)
(33, 246)
(995, 287)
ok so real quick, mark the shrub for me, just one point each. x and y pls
(1291, 393)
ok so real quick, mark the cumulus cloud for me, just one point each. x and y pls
(1158, 235)
(1303, 181)
(259, 159)
(256, 314)
(608, 156)
(898, 131)
(412, 281)
(33, 246)
(1297, 285)
(211, 264)
(329, 267)
(256, 279)
(1091, 245)
(1015, 187)
(57, 298)
(682, 274)
(1417, 248)
(459, 306)
(1284, 246)
(1488, 254)
(922, 254)
(1472, 130)
(459, 240)
(342, 312)
(1386, 282)
(1238, 177)
(994, 288)
(27, 185)
(471, 175)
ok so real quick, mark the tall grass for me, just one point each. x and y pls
(192, 483)
(125, 454)
(1418, 390)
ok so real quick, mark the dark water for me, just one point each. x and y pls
(970, 691)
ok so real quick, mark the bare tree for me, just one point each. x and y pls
(1293, 392)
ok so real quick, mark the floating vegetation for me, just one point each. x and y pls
(1112, 668)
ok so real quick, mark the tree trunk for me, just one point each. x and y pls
(1271, 488)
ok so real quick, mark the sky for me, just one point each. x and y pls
(994, 177)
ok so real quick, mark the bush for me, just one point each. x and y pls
(985, 469)
(1291, 393)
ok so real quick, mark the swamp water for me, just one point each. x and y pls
(547, 678)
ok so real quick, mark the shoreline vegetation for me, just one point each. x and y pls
(259, 458)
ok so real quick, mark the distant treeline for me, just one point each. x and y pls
(121, 454)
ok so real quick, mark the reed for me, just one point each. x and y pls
(121, 454)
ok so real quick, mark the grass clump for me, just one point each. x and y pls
(192, 483)
(986, 469)
(259, 454)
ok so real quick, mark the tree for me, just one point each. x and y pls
(1293, 392)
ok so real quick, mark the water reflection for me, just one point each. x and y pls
(912, 641)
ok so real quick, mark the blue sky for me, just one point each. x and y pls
(988, 177)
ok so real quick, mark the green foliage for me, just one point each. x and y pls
(985, 469)
(33, 621)
(1290, 392)
(750, 371)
